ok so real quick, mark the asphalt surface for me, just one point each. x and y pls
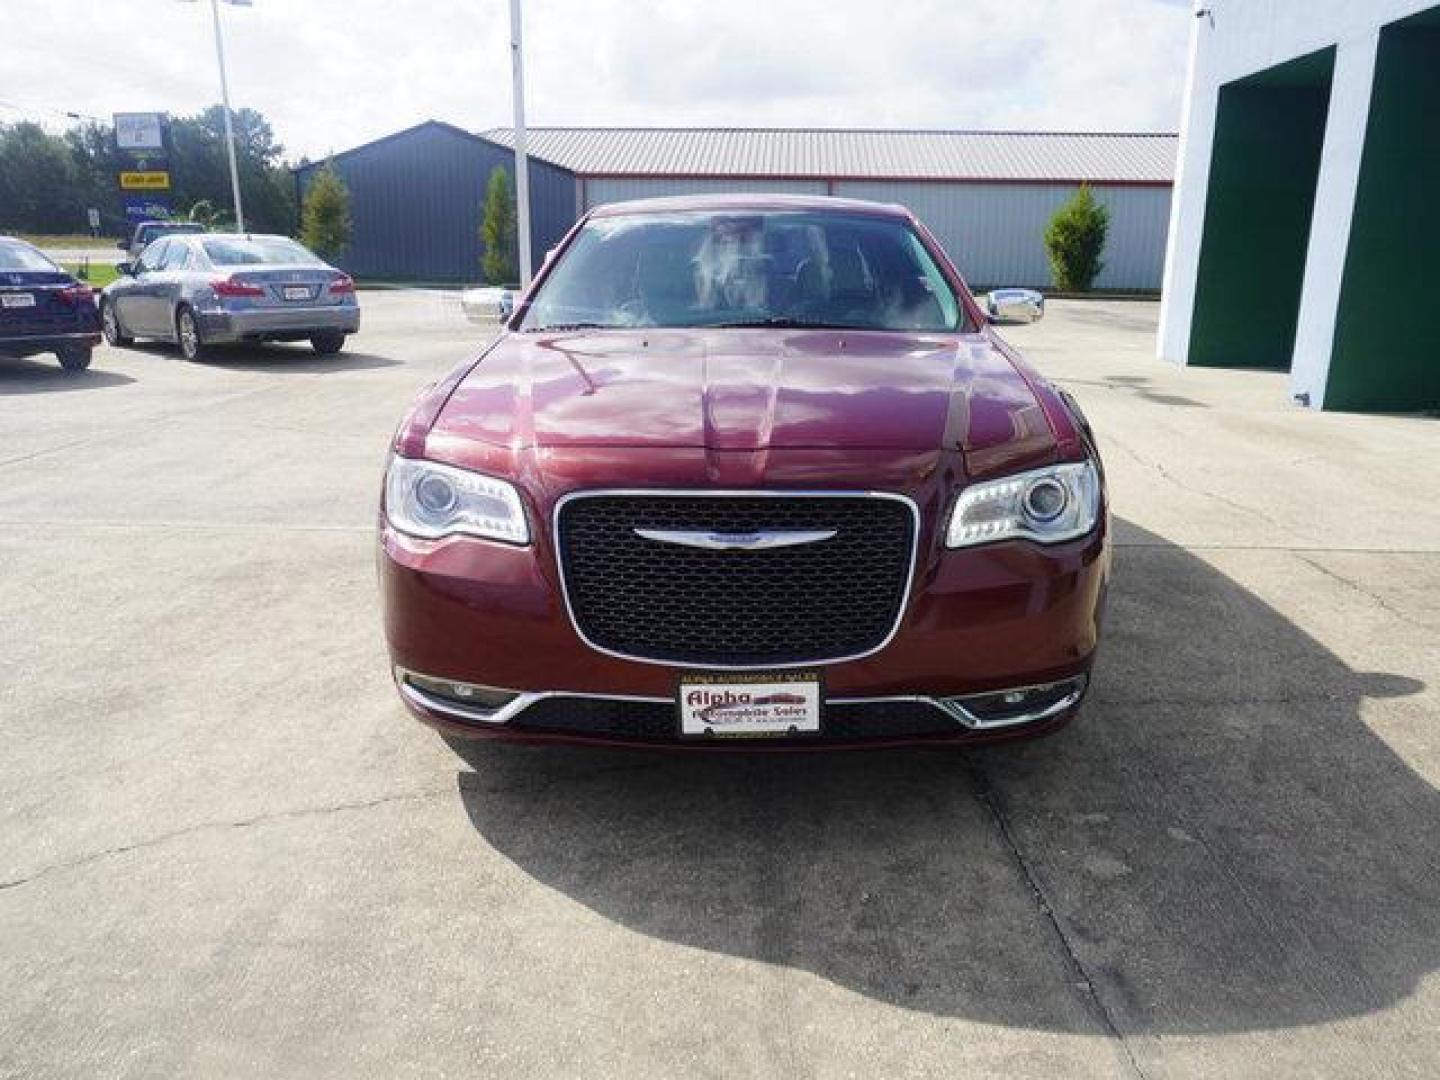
(226, 851)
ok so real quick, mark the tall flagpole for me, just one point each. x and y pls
(522, 165)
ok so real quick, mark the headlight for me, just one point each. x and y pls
(1048, 505)
(430, 500)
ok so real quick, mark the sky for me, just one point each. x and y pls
(331, 74)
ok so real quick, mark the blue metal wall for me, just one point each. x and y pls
(416, 201)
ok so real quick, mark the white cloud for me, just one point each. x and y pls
(333, 73)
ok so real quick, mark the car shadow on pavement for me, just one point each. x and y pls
(294, 359)
(278, 359)
(1220, 843)
(44, 375)
(1136, 385)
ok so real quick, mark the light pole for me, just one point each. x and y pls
(225, 99)
(522, 164)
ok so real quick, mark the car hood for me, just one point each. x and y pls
(744, 390)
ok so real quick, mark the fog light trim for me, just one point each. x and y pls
(1017, 705)
(470, 701)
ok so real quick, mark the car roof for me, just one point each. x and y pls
(239, 236)
(15, 241)
(202, 237)
(816, 203)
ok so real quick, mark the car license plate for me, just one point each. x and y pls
(17, 299)
(297, 292)
(740, 705)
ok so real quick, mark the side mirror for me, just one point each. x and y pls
(1015, 306)
(123, 245)
(125, 269)
(487, 305)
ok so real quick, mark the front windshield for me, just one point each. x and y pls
(733, 269)
(257, 251)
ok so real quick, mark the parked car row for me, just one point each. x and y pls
(193, 288)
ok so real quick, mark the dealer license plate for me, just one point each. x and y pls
(17, 299)
(740, 705)
(297, 292)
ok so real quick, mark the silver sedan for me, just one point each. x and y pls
(214, 289)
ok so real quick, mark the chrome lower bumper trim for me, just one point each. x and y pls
(523, 700)
(504, 714)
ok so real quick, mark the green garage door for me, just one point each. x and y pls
(1387, 332)
(1269, 132)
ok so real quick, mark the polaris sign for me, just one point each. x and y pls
(146, 207)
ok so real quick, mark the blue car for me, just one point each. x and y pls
(43, 309)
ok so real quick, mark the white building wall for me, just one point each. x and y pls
(1335, 190)
(995, 232)
(1237, 38)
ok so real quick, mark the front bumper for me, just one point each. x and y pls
(852, 723)
(222, 326)
(978, 621)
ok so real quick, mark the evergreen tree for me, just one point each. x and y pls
(1075, 239)
(325, 215)
(498, 232)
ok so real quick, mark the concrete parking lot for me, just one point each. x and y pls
(226, 851)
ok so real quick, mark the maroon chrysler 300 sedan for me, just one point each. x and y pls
(744, 471)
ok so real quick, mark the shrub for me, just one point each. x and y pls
(1075, 239)
(498, 231)
(325, 214)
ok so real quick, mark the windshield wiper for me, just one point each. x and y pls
(779, 322)
(570, 326)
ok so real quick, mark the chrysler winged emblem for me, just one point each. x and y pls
(762, 540)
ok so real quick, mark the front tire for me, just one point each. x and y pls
(187, 334)
(110, 326)
(327, 342)
(75, 357)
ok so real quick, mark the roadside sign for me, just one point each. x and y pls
(144, 161)
(150, 180)
(143, 165)
(140, 131)
(146, 207)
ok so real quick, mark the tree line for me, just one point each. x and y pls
(48, 181)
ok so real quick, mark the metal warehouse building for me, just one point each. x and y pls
(986, 195)
(1305, 230)
(417, 197)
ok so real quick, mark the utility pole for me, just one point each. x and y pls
(225, 99)
(522, 165)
